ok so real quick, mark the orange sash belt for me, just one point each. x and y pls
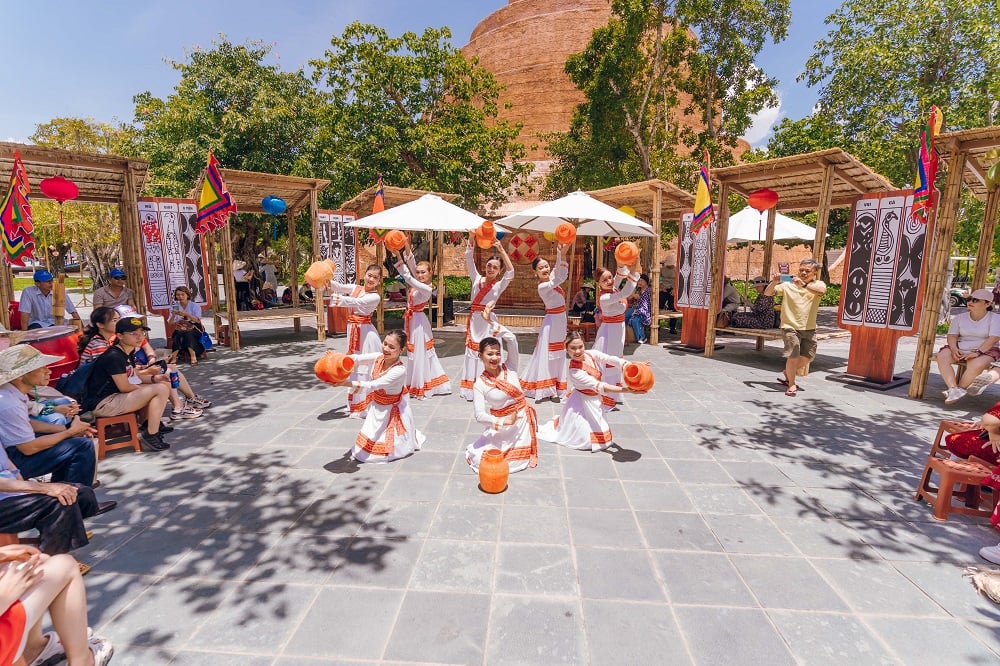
(613, 319)
(354, 341)
(589, 392)
(558, 310)
(532, 416)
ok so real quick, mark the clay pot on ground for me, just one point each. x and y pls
(493, 472)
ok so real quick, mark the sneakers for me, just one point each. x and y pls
(199, 402)
(954, 394)
(188, 411)
(153, 442)
(980, 383)
(102, 649)
(52, 653)
(990, 553)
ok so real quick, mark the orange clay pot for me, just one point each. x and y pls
(334, 367)
(565, 233)
(493, 472)
(627, 253)
(395, 240)
(486, 235)
(638, 377)
(320, 273)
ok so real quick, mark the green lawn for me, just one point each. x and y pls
(71, 284)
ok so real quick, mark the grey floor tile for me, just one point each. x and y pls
(466, 521)
(536, 569)
(643, 634)
(414, 487)
(699, 471)
(677, 531)
(926, 641)
(108, 593)
(946, 585)
(787, 501)
(657, 496)
(830, 638)
(346, 623)
(464, 566)
(326, 516)
(535, 491)
(597, 493)
(300, 558)
(440, 627)
(398, 519)
(534, 524)
(731, 635)
(532, 630)
(224, 555)
(729, 500)
(749, 535)
(876, 587)
(583, 465)
(132, 655)
(376, 562)
(648, 468)
(757, 474)
(600, 527)
(153, 552)
(816, 537)
(787, 583)
(853, 504)
(606, 573)
(702, 579)
(682, 449)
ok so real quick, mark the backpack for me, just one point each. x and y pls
(74, 385)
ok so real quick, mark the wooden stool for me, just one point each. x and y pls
(587, 329)
(104, 422)
(953, 472)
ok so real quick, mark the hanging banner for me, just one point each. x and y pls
(339, 243)
(172, 251)
(694, 263)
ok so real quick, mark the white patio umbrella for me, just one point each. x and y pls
(749, 225)
(590, 217)
(428, 213)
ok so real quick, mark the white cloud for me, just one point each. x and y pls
(763, 121)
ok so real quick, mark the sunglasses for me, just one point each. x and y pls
(979, 300)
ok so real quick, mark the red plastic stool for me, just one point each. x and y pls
(967, 475)
(102, 425)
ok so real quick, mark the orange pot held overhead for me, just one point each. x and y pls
(319, 273)
(395, 240)
(486, 235)
(638, 377)
(565, 233)
(334, 367)
(627, 253)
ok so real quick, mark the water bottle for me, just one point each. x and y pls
(175, 379)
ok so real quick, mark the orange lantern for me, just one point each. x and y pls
(627, 253)
(334, 367)
(638, 377)
(320, 273)
(395, 240)
(762, 199)
(565, 233)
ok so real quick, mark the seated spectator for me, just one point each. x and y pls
(973, 337)
(115, 292)
(65, 452)
(36, 303)
(268, 296)
(32, 585)
(305, 294)
(583, 300)
(97, 337)
(286, 296)
(185, 315)
(761, 315)
(640, 314)
(731, 300)
(109, 392)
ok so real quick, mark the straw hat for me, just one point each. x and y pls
(19, 360)
(239, 264)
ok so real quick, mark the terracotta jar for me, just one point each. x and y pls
(395, 240)
(320, 273)
(638, 377)
(493, 472)
(565, 233)
(334, 367)
(627, 253)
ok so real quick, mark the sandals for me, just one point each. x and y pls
(792, 391)
(783, 379)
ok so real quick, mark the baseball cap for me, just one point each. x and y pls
(42, 275)
(117, 273)
(129, 324)
(983, 295)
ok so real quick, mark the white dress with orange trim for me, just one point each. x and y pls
(362, 337)
(582, 425)
(389, 432)
(477, 328)
(496, 398)
(545, 375)
(610, 338)
(425, 376)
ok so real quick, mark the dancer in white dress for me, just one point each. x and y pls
(389, 432)
(511, 423)
(582, 425)
(545, 375)
(425, 376)
(362, 338)
(613, 301)
(486, 289)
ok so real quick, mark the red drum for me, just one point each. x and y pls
(57, 341)
(14, 310)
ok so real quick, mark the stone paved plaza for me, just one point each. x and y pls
(731, 525)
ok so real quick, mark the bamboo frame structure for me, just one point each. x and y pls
(962, 153)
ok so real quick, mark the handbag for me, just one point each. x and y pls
(723, 320)
(206, 340)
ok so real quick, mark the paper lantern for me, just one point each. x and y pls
(628, 210)
(62, 190)
(273, 205)
(762, 199)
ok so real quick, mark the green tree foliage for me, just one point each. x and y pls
(658, 62)
(413, 109)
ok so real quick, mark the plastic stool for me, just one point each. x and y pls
(952, 472)
(104, 422)
(587, 329)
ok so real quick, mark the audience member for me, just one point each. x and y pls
(115, 292)
(35, 305)
(640, 314)
(761, 315)
(186, 319)
(972, 337)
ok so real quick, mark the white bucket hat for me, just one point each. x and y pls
(19, 360)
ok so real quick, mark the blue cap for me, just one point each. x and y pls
(43, 275)
(116, 273)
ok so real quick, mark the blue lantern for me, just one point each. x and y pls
(273, 205)
(500, 235)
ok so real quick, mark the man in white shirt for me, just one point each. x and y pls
(36, 303)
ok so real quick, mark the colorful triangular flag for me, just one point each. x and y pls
(15, 214)
(379, 204)
(923, 184)
(215, 205)
(704, 213)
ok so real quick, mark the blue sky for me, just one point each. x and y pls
(89, 59)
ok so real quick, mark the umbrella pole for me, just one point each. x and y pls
(380, 260)
(440, 279)
(572, 267)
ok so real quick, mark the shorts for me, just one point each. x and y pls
(799, 343)
(993, 353)
(113, 405)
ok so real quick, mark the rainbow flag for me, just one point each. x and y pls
(704, 213)
(215, 205)
(379, 204)
(923, 184)
(15, 214)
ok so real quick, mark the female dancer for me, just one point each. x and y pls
(510, 421)
(362, 338)
(545, 376)
(389, 432)
(582, 425)
(611, 334)
(486, 289)
(425, 376)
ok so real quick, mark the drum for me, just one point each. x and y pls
(57, 341)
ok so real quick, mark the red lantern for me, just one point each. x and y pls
(762, 199)
(61, 189)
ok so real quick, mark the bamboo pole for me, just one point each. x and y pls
(290, 215)
(944, 233)
(986, 235)
(230, 283)
(380, 260)
(823, 213)
(772, 215)
(128, 214)
(718, 267)
(59, 300)
(7, 296)
(318, 293)
(654, 271)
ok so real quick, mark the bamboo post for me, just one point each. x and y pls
(128, 216)
(772, 216)
(823, 213)
(293, 265)
(7, 296)
(439, 260)
(230, 284)
(654, 271)
(718, 267)
(59, 299)
(986, 235)
(290, 215)
(213, 279)
(944, 233)
(318, 300)
(380, 260)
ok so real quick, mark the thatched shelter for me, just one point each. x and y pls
(105, 179)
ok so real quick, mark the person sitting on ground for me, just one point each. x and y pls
(33, 584)
(306, 294)
(115, 292)
(35, 305)
(640, 315)
(973, 338)
(185, 315)
(761, 315)
(268, 296)
(35, 447)
(110, 393)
